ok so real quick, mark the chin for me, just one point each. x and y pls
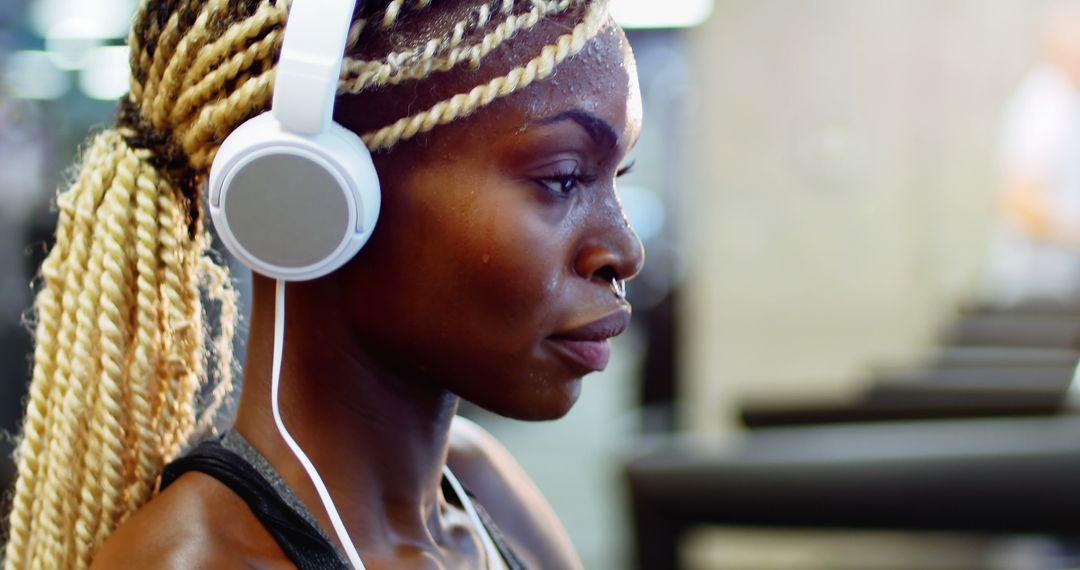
(537, 406)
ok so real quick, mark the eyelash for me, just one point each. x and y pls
(568, 181)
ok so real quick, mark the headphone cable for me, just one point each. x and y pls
(324, 494)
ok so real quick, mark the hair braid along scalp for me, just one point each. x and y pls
(442, 54)
(122, 346)
(464, 104)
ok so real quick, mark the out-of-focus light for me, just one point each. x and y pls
(70, 42)
(105, 73)
(661, 13)
(33, 75)
(103, 18)
(644, 209)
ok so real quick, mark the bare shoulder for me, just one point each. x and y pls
(196, 523)
(522, 514)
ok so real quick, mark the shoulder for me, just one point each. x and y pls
(196, 523)
(522, 514)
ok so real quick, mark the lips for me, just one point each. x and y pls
(589, 346)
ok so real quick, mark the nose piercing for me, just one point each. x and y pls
(619, 286)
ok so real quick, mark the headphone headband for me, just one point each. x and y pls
(310, 64)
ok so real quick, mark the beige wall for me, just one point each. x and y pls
(844, 188)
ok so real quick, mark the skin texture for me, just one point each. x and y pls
(481, 254)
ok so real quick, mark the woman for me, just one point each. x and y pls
(494, 275)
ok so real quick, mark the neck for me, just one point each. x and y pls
(378, 440)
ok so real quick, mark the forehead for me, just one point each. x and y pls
(601, 80)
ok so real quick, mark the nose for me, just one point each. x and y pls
(612, 252)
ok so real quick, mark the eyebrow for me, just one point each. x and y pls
(602, 133)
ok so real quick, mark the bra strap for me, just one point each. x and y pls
(302, 544)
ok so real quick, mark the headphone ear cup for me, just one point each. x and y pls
(356, 160)
(293, 207)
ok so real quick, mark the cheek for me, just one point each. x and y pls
(514, 261)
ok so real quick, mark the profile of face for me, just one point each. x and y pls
(502, 233)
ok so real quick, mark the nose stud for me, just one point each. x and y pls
(619, 286)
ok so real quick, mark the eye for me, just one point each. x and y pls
(561, 183)
(565, 183)
(626, 169)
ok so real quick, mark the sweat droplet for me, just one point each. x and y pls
(486, 259)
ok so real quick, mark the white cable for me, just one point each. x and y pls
(493, 556)
(324, 494)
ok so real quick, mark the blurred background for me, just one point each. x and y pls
(856, 336)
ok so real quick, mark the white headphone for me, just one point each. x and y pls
(293, 194)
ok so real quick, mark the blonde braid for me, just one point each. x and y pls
(48, 358)
(76, 402)
(176, 311)
(179, 60)
(182, 327)
(83, 267)
(114, 308)
(234, 39)
(464, 104)
(358, 74)
(192, 335)
(138, 58)
(211, 83)
(391, 14)
(144, 363)
(214, 121)
(355, 30)
(166, 44)
(203, 79)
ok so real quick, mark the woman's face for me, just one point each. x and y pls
(500, 234)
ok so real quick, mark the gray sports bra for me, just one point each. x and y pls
(233, 461)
